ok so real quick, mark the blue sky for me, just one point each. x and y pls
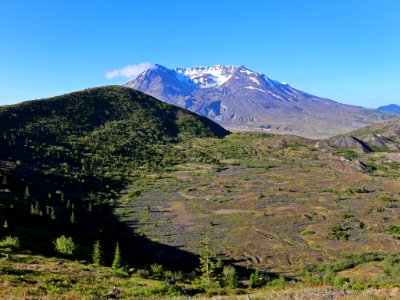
(348, 51)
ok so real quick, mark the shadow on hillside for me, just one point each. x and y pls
(37, 230)
(65, 195)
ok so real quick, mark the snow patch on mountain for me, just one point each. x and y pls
(248, 72)
(254, 88)
(255, 80)
(181, 77)
(207, 77)
(276, 96)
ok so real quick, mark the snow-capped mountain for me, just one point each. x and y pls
(241, 99)
(207, 77)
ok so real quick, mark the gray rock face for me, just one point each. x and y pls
(281, 144)
(380, 141)
(323, 144)
(359, 165)
(344, 141)
(241, 99)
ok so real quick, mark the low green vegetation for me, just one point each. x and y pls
(387, 199)
(307, 232)
(64, 245)
(10, 243)
(109, 193)
(346, 153)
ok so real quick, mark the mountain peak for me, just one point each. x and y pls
(201, 77)
(208, 77)
(238, 97)
(393, 108)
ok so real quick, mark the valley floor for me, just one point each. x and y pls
(270, 203)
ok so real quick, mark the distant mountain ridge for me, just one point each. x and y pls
(241, 99)
(393, 108)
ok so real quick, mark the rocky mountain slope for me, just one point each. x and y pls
(241, 99)
(381, 137)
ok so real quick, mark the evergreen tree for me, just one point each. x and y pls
(5, 225)
(117, 262)
(35, 208)
(218, 270)
(72, 218)
(53, 214)
(27, 194)
(255, 280)
(96, 256)
(231, 278)
(207, 264)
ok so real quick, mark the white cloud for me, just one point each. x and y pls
(129, 71)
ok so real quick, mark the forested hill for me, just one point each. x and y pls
(64, 159)
(97, 126)
(85, 111)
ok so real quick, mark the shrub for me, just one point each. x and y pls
(65, 245)
(338, 232)
(311, 279)
(393, 229)
(329, 276)
(339, 281)
(347, 216)
(387, 199)
(157, 271)
(357, 284)
(172, 290)
(391, 265)
(10, 242)
(346, 153)
(255, 280)
(230, 277)
(143, 273)
(278, 283)
(307, 232)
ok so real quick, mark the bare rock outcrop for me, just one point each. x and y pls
(380, 141)
(323, 144)
(344, 141)
(281, 144)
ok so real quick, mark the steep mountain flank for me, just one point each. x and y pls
(241, 99)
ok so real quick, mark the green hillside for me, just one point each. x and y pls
(261, 211)
(64, 160)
